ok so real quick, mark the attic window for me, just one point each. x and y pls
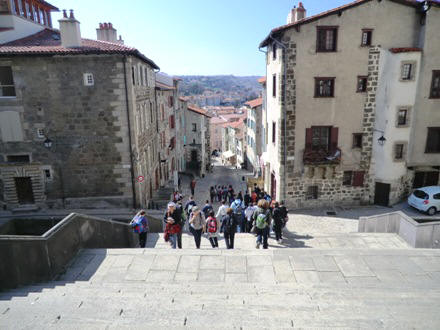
(88, 79)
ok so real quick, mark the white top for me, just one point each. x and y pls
(221, 212)
(249, 211)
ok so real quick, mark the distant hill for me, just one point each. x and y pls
(237, 89)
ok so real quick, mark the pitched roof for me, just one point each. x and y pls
(262, 80)
(159, 85)
(48, 42)
(405, 50)
(198, 110)
(265, 42)
(255, 103)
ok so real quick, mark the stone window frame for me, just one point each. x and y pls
(435, 75)
(412, 72)
(358, 85)
(404, 150)
(408, 115)
(344, 181)
(40, 133)
(8, 65)
(354, 145)
(6, 155)
(325, 79)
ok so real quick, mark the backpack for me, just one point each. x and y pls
(261, 222)
(228, 222)
(137, 225)
(237, 208)
(212, 225)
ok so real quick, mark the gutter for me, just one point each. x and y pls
(129, 132)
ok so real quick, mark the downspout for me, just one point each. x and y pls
(129, 133)
(284, 112)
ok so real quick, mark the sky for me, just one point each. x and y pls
(192, 37)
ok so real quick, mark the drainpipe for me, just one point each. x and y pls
(129, 133)
(279, 43)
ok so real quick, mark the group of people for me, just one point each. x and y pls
(254, 212)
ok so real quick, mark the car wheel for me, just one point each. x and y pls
(432, 210)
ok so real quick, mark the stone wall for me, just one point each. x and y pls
(90, 154)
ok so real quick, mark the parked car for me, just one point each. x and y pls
(426, 199)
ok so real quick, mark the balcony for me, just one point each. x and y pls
(322, 157)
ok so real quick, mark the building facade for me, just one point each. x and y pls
(95, 147)
(332, 80)
(254, 128)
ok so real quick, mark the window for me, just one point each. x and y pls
(366, 37)
(435, 85)
(436, 196)
(146, 76)
(324, 87)
(13, 8)
(424, 179)
(398, 151)
(42, 21)
(47, 175)
(162, 112)
(357, 140)
(407, 71)
(361, 84)
(433, 140)
(326, 40)
(18, 158)
(402, 117)
(274, 129)
(7, 88)
(10, 126)
(40, 133)
(312, 192)
(274, 85)
(28, 10)
(321, 138)
(274, 51)
(353, 178)
(170, 101)
(133, 75)
(172, 122)
(151, 112)
(347, 178)
(88, 79)
(194, 127)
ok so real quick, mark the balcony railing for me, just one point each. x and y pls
(316, 157)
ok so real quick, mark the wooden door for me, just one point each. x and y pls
(382, 194)
(273, 186)
(24, 190)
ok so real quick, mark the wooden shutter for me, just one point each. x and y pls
(358, 178)
(309, 134)
(334, 138)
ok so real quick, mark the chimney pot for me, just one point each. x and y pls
(64, 13)
(110, 25)
(71, 14)
(70, 31)
(100, 25)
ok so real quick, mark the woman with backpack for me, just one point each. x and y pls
(212, 229)
(262, 219)
(140, 226)
(228, 228)
(196, 225)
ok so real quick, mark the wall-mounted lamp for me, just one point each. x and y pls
(382, 138)
(48, 143)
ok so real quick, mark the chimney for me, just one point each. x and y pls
(296, 14)
(106, 32)
(70, 32)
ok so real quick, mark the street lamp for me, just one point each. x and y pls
(381, 140)
(48, 143)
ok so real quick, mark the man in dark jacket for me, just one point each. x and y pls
(278, 222)
(228, 228)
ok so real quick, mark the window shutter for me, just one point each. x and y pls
(309, 135)
(334, 138)
(358, 178)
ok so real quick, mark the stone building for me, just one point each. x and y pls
(254, 137)
(337, 87)
(170, 129)
(233, 142)
(215, 127)
(197, 140)
(78, 118)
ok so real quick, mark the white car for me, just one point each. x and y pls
(426, 199)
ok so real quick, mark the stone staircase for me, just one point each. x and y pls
(245, 288)
(162, 196)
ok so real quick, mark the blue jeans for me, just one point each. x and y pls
(173, 240)
(262, 236)
(239, 222)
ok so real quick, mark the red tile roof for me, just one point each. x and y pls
(405, 50)
(48, 42)
(255, 103)
(164, 86)
(336, 10)
(198, 110)
(262, 80)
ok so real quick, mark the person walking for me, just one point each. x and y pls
(284, 212)
(248, 213)
(247, 199)
(221, 210)
(238, 207)
(278, 222)
(206, 209)
(225, 193)
(219, 193)
(192, 185)
(262, 223)
(172, 220)
(212, 229)
(228, 228)
(212, 194)
(189, 204)
(179, 209)
(139, 223)
(196, 225)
